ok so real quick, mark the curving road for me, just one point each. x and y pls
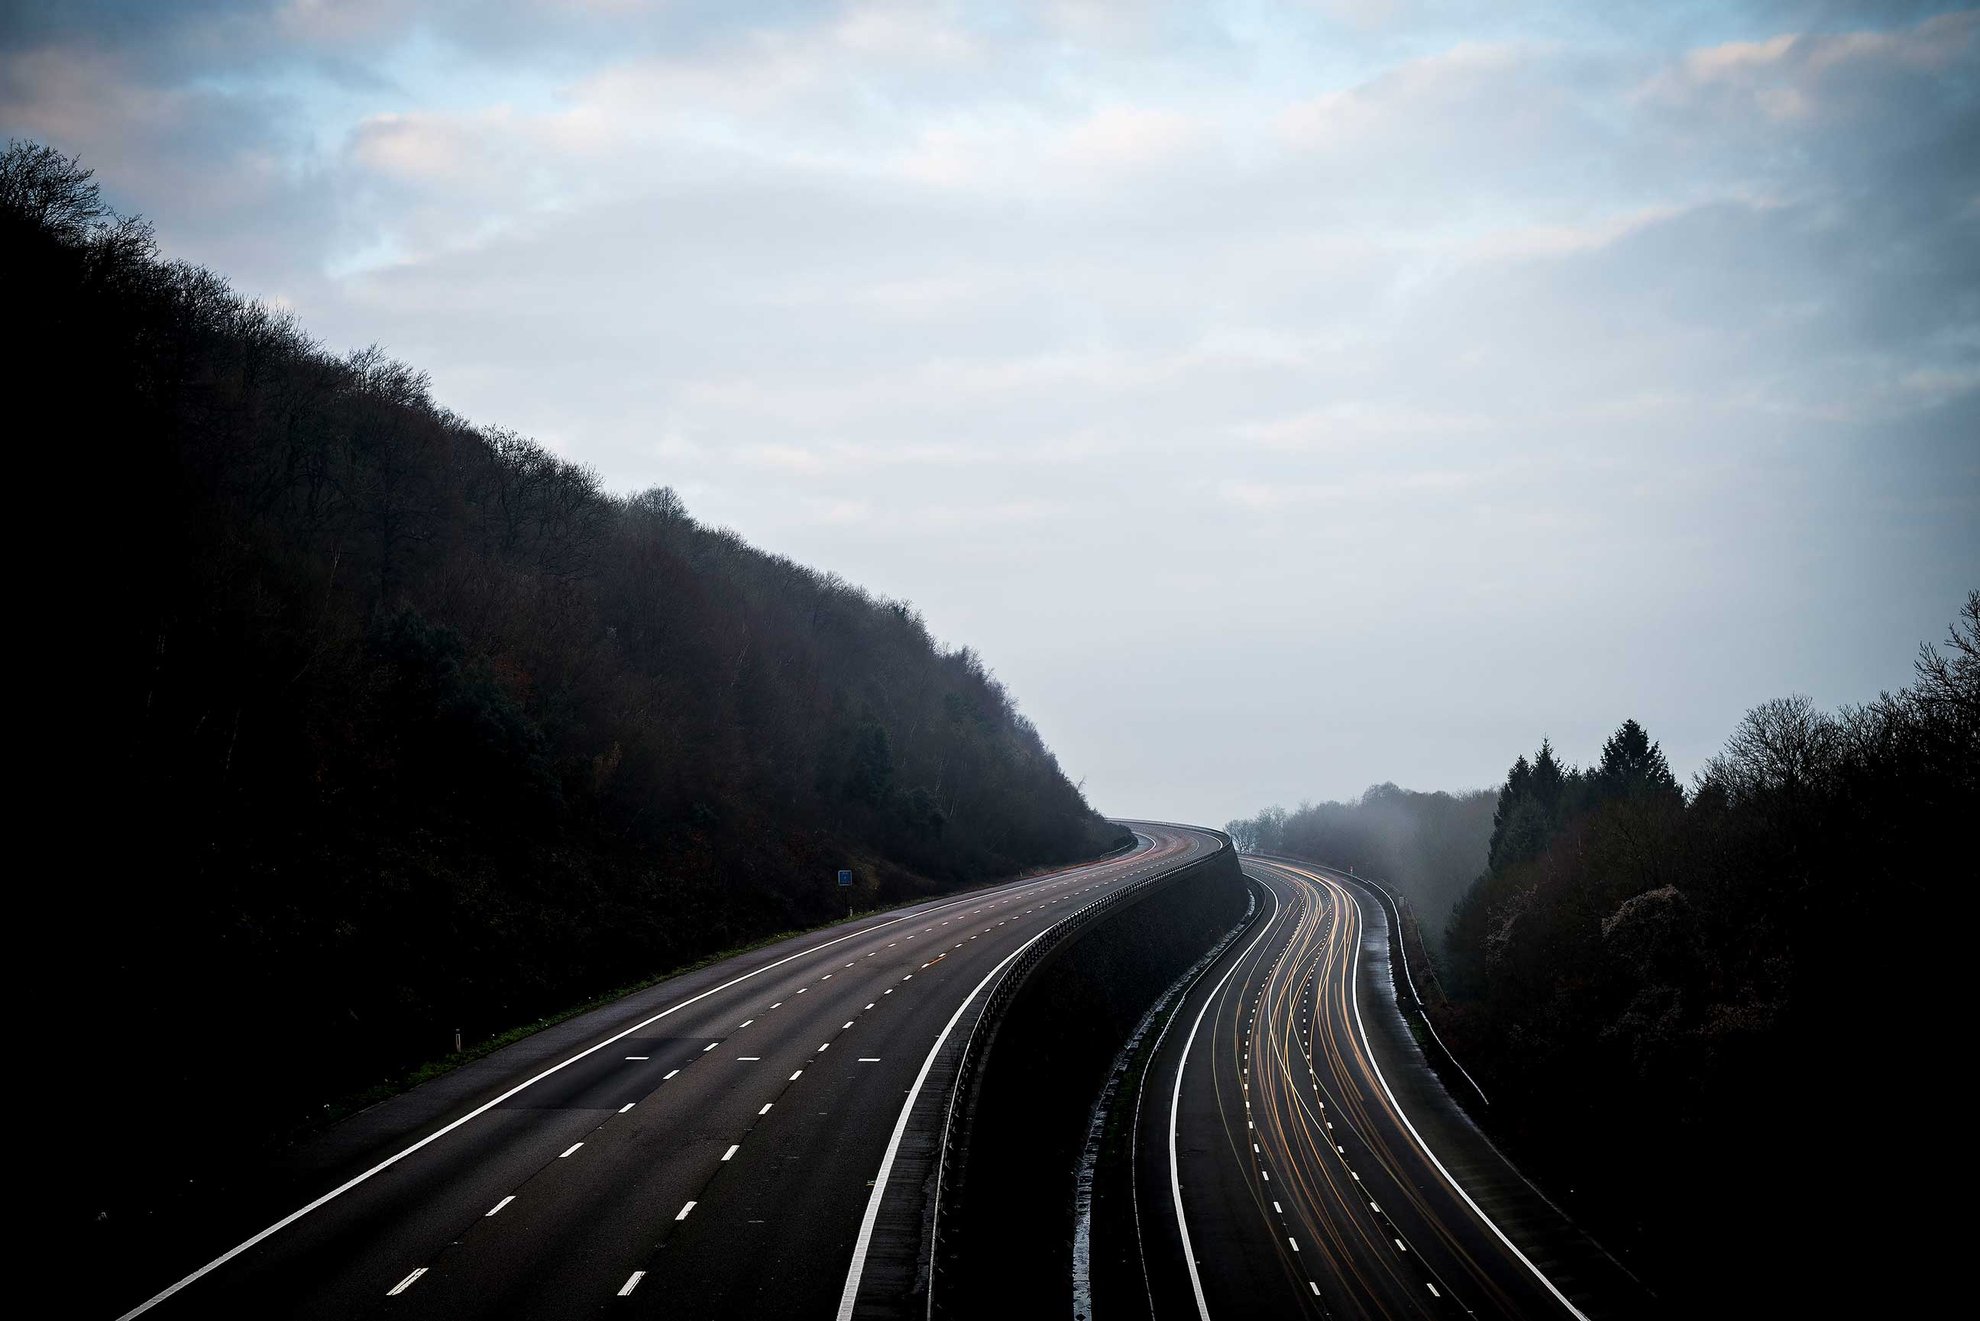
(742, 1141)
(1279, 1176)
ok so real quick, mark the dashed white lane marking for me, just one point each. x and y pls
(684, 1211)
(869, 1006)
(710, 1046)
(1295, 1242)
(848, 1023)
(766, 1109)
(730, 1154)
(745, 1023)
(828, 976)
(799, 1074)
(748, 1059)
(405, 1284)
(1401, 1246)
(670, 1073)
(824, 1046)
(1316, 1288)
(568, 1150)
(632, 1282)
(499, 1205)
(1432, 1288)
(639, 1057)
(778, 1005)
(484, 1108)
(627, 1106)
(869, 1059)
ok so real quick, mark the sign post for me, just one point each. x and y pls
(845, 883)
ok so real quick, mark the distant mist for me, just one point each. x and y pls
(1428, 846)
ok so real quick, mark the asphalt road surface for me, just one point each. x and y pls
(1272, 1145)
(720, 1145)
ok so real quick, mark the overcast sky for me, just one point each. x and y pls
(1282, 398)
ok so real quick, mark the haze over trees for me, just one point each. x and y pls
(1696, 1015)
(1686, 1007)
(1428, 847)
(389, 724)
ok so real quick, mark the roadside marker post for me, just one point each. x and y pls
(845, 883)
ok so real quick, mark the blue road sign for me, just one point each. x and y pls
(845, 877)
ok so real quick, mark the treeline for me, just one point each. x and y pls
(1428, 847)
(373, 723)
(1717, 1022)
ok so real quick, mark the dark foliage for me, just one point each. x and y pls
(376, 724)
(1705, 1019)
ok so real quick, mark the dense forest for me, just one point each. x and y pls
(1427, 847)
(1705, 1018)
(1699, 1013)
(375, 723)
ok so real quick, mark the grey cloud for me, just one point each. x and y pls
(1552, 365)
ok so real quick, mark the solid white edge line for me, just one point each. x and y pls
(850, 1295)
(1354, 997)
(1175, 1105)
(485, 1107)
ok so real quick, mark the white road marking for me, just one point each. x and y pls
(799, 1074)
(639, 1057)
(1354, 998)
(1432, 1288)
(483, 1109)
(850, 1294)
(843, 1026)
(627, 1106)
(670, 1073)
(869, 1059)
(499, 1205)
(766, 1109)
(730, 1154)
(748, 1059)
(684, 1211)
(404, 1284)
(746, 1022)
(568, 1150)
(632, 1282)
(1175, 1105)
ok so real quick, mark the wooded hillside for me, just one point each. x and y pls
(377, 723)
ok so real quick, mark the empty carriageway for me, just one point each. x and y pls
(716, 1146)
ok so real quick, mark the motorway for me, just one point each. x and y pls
(1276, 1173)
(732, 1143)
